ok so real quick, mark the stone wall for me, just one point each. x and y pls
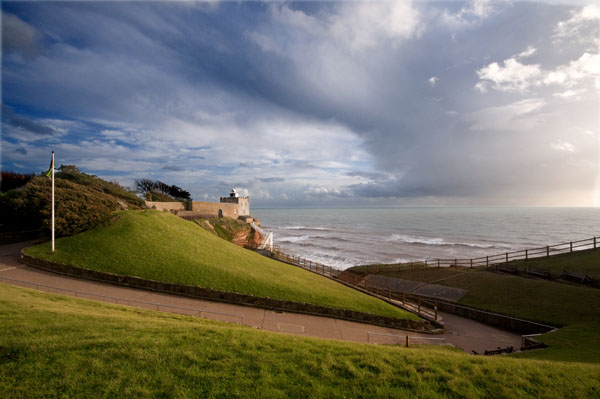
(212, 208)
(493, 319)
(166, 206)
(242, 202)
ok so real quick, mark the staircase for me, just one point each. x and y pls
(267, 237)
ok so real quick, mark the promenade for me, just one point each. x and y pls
(463, 333)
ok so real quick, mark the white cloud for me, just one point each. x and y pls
(562, 146)
(510, 76)
(471, 14)
(433, 81)
(527, 53)
(513, 76)
(354, 26)
(583, 26)
(362, 25)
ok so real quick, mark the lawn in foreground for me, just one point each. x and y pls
(160, 246)
(57, 346)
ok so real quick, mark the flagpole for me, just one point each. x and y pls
(52, 201)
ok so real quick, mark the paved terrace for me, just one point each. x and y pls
(460, 332)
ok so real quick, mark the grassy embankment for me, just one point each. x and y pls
(159, 246)
(584, 262)
(57, 346)
(575, 307)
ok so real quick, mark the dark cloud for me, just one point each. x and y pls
(173, 168)
(196, 73)
(271, 179)
(26, 123)
(19, 37)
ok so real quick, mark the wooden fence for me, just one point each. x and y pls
(488, 261)
(414, 303)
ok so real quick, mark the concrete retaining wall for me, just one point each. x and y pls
(230, 297)
(494, 319)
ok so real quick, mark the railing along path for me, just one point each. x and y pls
(414, 303)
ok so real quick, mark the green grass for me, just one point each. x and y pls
(62, 347)
(584, 262)
(533, 299)
(160, 246)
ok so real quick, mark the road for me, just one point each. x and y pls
(460, 332)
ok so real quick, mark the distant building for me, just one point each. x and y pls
(234, 207)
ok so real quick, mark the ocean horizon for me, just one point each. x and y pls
(345, 237)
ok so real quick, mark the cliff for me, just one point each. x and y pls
(235, 231)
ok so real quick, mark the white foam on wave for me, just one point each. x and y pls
(292, 238)
(318, 228)
(434, 241)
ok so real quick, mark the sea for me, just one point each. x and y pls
(346, 237)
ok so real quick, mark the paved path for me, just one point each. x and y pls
(463, 333)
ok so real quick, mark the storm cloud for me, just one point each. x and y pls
(303, 103)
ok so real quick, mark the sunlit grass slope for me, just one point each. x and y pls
(57, 346)
(159, 246)
(573, 306)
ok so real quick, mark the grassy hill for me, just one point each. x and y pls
(82, 201)
(57, 346)
(585, 262)
(573, 306)
(160, 246)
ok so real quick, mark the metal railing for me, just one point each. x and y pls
(414, 303)
(406, 339)
(128, 302)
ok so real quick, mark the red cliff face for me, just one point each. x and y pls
(248, 238)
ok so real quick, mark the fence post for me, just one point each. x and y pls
(471, 263)
(526, 254)
(507, 257)
(403, 297)
(455, 263)
(548, 250)
(419, 305)
(407, 341)
(438, 263)
(594, 242)
(487, 261)
(571, 246)
(435, 310)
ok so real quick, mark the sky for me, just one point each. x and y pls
(380, 103)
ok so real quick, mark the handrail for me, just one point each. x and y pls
(410, 302)
(497, 259)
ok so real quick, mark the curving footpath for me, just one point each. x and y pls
(460, 332)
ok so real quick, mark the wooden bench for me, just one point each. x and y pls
(506, 269)
(499, 351)
(538, 273)
(576, 277)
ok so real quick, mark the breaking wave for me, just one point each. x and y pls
(436, 241)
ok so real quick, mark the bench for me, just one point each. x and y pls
(506, 269)
(576, 277)
(499, 351)
(538, 273)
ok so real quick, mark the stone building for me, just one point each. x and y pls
(234, 207)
